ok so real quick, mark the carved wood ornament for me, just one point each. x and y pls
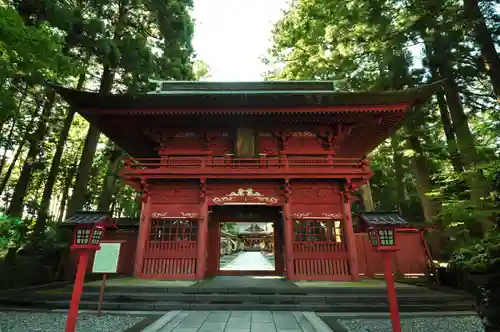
(145, 189)
(245, 196)
(164, 215)
(203, 190)
(288, 191)
(309, 215)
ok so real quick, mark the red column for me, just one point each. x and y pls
(350, 240)
(77, 291)
(278, 252)
(212, 260)
(391, 292)
(288, 239)
(142, 237)
(202, 240)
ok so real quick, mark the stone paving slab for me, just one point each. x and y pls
(249, 261)
(239, 321)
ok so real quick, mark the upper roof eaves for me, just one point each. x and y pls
(204, 87)
(210, 95)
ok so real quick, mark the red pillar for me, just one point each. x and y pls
(142, 238)
(213, 257)
(288, 239)
(391, 292)
(77, 291)
(278, 249)
(350, 240)
(202, 237)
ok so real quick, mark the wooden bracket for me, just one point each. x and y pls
(203, 189)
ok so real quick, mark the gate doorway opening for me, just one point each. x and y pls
(246, 240)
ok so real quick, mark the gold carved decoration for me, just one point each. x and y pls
(332, 215)
(190, 214)
(300, 215)
(246, 194)
(159, 215)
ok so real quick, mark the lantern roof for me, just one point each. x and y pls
(382, 219)
(88, 218)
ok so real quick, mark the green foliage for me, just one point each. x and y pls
(13, 232)
(482, 256)
(230, 227)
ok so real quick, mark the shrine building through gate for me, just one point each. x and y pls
(291, 153)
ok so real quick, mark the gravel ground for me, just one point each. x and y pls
(55, 322)
(420, 324)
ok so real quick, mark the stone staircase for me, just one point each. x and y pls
(319, 299)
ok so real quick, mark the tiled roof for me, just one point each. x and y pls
(242, 96)
(83, 217)
(383, 219)
(126, 222)
(254, 228)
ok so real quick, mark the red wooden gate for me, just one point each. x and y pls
(170, 251)
(319, 250)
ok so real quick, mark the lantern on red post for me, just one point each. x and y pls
(87, 233)
(382, 239)
(382, 230)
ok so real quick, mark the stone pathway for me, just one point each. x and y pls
(249, 261)
(239, 321)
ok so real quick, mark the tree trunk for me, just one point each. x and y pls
(7, 144)
(109, 184)
(449, 131)
(485, 42)
(438, 52)
(24, 139)
(11, 132)
(54, 167)
(16, 204)
(107, 79)
(13, 163)
(468, 153)
(399, 173)
(65, 194)
(424, 183)
(366, 197)
(82, 178)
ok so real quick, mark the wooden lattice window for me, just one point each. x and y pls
(318, 230)
(169, 230)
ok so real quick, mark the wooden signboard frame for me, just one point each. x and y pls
(106, 260)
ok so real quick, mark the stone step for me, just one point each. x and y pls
(354, 290)
(254, 298)
(173, 305)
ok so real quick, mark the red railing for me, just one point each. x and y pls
(224, 164)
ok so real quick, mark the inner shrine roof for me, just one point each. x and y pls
(261, 95)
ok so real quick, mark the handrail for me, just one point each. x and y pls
(225, 162)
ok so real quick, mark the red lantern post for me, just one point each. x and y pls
(86, 239)
(383, 240)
